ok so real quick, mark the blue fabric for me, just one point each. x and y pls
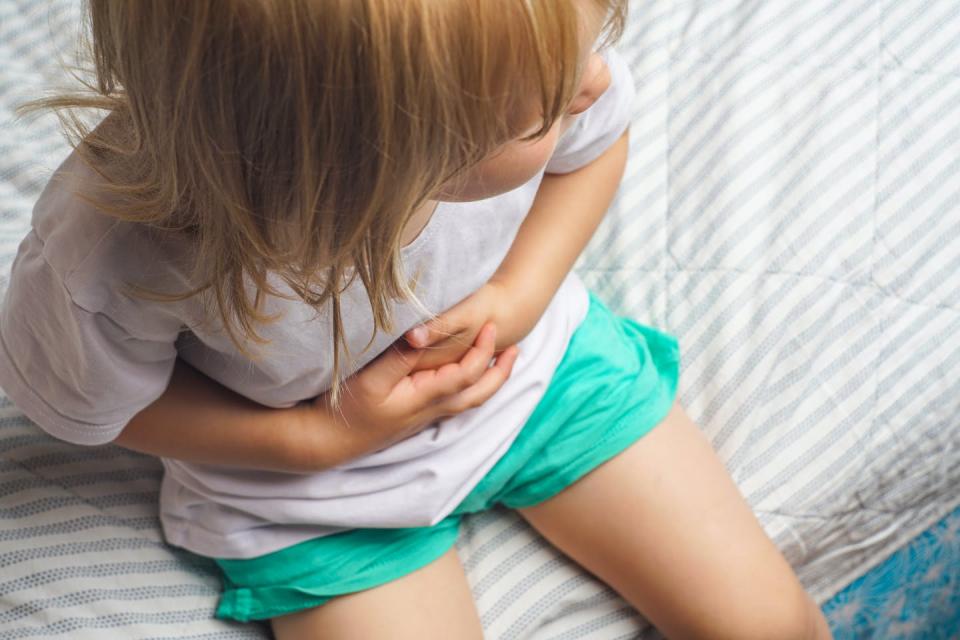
(914, 594)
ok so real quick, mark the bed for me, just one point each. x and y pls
(790, 210)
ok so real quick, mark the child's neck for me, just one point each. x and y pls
(417, 223)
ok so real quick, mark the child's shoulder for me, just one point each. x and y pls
(92, 253)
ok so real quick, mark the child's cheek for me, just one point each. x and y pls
(516, 165)
(526, 159)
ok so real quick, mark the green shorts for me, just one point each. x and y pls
(617, 380)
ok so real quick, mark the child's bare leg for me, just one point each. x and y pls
(665, 526)
(432, 603)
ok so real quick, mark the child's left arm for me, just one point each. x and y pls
(567, 210)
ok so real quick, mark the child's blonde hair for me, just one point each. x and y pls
(298, 137)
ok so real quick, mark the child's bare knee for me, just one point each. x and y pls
(773, 616)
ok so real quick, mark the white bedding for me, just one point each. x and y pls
(791, 211)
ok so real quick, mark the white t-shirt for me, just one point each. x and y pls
(80, 358)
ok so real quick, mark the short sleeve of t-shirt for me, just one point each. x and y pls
(78, 374)
(597, 128)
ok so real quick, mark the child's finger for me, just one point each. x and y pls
(477, 359)
(385, 371)
(454, 377)
(432, 331)
(443, 352)
(488, 384)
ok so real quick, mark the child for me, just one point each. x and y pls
(281, 196)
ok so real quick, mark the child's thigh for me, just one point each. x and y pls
(432, 603)
(665, 526)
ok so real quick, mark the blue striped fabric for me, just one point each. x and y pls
(790, 210)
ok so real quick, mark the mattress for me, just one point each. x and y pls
(790, 210)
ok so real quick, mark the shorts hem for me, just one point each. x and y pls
(612, 446)
(245, 604)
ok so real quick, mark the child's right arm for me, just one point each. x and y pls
(89, 368)
(198, 420)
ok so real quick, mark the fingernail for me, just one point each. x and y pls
(419, 335)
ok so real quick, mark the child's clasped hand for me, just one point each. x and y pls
(389, 399)
(447, 337)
